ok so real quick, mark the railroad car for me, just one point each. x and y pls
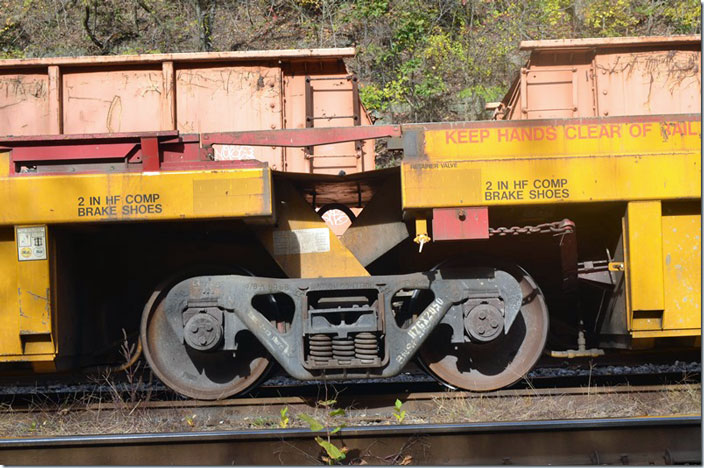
(179, 199)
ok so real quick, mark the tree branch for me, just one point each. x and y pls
(86, 26)
(146, 8)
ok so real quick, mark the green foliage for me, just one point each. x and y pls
(371, 9)
(399, 413)
(486, 93)
(555, 12)
(334, 454)
(610, 17)
(314, 424)
(683, 16)
(309, 3)
(375, 100)
(258, 422)
(283, 418)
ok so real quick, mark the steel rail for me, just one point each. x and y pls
(382, 400)
(646, 440)
(378, 400)
(420, 383)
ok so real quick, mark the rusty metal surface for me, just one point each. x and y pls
(593, 77)
(302, 137)
(293, 54)
(504, 345)
(555, 228)
(355, 190)
(167, 148)
(40, 139)
(215, 375)
(204, 92)
(638, 441)
(611, 42)
(348, 325)
(123, 152)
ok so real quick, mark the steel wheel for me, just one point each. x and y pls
(498, 363)
(206, 375)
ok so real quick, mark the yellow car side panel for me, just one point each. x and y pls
(25, 304)
(682, 244)
(644, 265)
(551, 180)
(641, 161)
(567, 161)
(558, 138)
(27, 331)
(135, 196)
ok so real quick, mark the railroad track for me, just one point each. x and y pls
(381, 402)
(245, 413)
(638, 441)
(26, 393)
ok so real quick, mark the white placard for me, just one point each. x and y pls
(302, 241)
(31, 243)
